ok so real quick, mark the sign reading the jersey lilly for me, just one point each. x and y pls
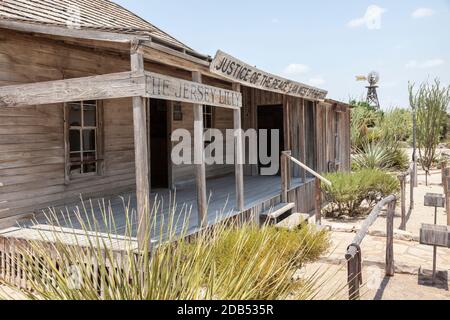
(238, 71)
(169, 88)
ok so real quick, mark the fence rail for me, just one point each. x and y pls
(286, 158)
(354, 252)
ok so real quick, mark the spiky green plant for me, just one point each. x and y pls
(81, 258)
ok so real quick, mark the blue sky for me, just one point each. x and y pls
(323, 43)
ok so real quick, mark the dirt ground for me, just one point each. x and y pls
(410, 257)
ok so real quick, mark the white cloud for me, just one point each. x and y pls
(296, 69)
(372, 18)
(432, 63)
(316, 81)
(422, 13)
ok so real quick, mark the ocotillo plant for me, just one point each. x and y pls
(430, 103)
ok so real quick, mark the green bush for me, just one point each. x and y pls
(397, 125)
(355, 194)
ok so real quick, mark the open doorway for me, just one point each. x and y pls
(159, 135)
(271, 118)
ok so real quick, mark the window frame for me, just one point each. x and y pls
(98, 129)
(208, 140)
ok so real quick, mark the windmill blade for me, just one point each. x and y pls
(361, 78)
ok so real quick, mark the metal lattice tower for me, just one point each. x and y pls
(372, 94)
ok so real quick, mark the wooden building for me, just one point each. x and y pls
(83, 112)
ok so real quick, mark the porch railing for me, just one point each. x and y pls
(286, 181)
(354, 252)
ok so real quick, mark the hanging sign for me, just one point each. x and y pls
(238, 71)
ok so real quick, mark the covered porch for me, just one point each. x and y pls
(262, 193)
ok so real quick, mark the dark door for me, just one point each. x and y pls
(271, 118)
(159, 157)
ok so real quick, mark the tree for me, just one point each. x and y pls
(429, 103)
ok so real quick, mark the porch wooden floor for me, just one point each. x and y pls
(221, 193)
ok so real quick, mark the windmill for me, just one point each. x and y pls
(372, 96)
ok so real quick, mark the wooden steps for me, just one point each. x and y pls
(275, 212)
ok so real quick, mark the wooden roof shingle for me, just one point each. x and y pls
(101, 15)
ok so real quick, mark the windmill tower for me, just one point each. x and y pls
(372, 95)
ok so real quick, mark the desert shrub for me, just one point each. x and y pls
(380, 155)
(354, 194)
(396, 125)
(233, 251)
(363, 124)
(229, 261)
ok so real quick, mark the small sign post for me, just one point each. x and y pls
(436, 201)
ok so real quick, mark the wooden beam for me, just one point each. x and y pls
(141, 160)
(69, 32)
(239, 155)
(108, 86)
(199, 153)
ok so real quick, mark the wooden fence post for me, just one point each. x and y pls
(445, 184)
(354, 276)
(411, 190)
(318, 201)
(402, 180)
(390, 267)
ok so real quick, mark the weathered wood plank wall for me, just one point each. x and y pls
(32, 153)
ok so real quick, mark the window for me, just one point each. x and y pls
(207, 117)
(177, 112)
(208, 123)
(82, 138)
(337, 143)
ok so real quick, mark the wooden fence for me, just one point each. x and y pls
(354, 252)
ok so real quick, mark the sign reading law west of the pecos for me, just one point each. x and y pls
(238, 71)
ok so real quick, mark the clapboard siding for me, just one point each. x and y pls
(32, 138)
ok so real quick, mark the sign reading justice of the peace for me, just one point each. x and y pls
(238, 71)
(169, 88)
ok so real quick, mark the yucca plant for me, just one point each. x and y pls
(227, 261)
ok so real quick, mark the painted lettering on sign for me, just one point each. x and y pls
(169, 88)
(238, 71)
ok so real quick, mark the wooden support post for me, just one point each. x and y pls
(141, 158)
(199, 153)
(390, 267)
(287, 130)
(402, 180)
(239, 156)
(318, 201)
(285, 180)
